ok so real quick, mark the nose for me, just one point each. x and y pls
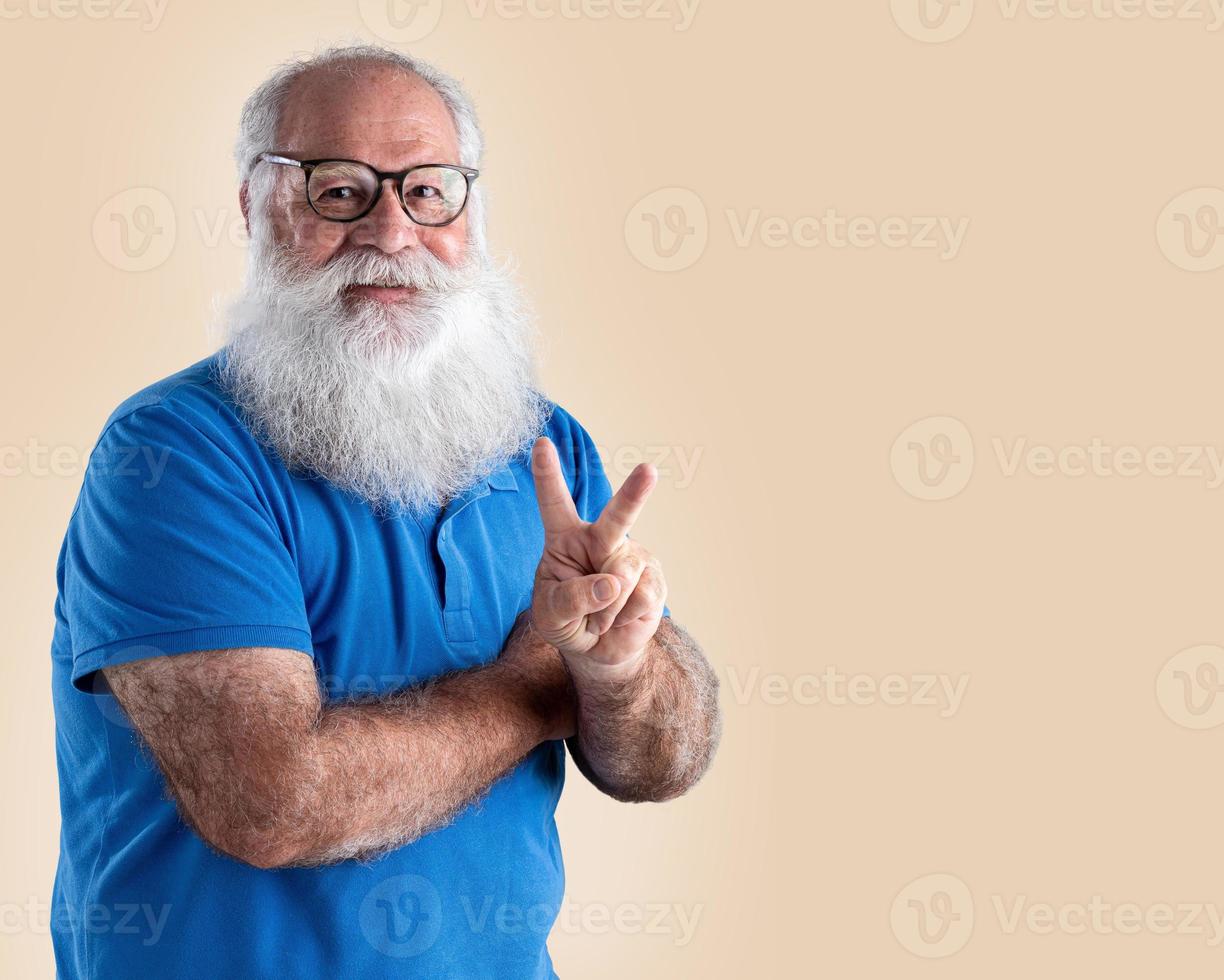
(386, 227)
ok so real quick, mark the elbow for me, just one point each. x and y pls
(267, 855)
(651, 790)
(266, 848)
(690, 728)
(690, 759)
(643, 793)
(677, 766)
(251, 828)
(667, 786)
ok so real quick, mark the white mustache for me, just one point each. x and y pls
(417, 269)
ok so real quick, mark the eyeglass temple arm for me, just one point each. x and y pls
(273, 158)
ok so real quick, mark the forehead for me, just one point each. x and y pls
(382, 115)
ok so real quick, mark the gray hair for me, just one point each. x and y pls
(261, 114)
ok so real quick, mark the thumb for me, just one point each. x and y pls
(577, 597)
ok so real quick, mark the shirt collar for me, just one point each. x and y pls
(503, 478)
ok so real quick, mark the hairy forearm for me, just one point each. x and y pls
(267, 773)
(652, 736)
(379, 774)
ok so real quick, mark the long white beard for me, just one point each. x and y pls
(403, 405)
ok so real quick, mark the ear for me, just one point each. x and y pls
(244, 202)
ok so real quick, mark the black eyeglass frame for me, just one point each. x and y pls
(399, 176)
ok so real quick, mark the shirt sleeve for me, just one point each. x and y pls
(592, 489)
(174, 547)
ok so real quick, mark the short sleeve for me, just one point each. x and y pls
(174, 547)
(592, 489)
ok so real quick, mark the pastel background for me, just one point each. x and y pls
(917, 308)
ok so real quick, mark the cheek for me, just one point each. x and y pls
(449, 243)
(315, 239)
(305, 233)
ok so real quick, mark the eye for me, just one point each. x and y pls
(338, 193)
(421, 190)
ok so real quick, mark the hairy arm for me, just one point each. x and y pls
(268, 774)
(650, 733)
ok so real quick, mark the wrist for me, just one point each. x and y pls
(591, 673)
(540, 683)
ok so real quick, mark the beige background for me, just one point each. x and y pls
(1078, 143)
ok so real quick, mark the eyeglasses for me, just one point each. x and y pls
(432, 194)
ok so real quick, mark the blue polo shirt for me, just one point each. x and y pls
(188, 535)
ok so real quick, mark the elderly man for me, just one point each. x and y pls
(343, 590)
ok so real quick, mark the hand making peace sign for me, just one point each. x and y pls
(598, 594)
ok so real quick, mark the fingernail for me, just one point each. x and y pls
(604, 589)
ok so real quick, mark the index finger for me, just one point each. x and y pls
(618, 515)
(557, 508)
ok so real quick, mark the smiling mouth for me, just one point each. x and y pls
(380, 294)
